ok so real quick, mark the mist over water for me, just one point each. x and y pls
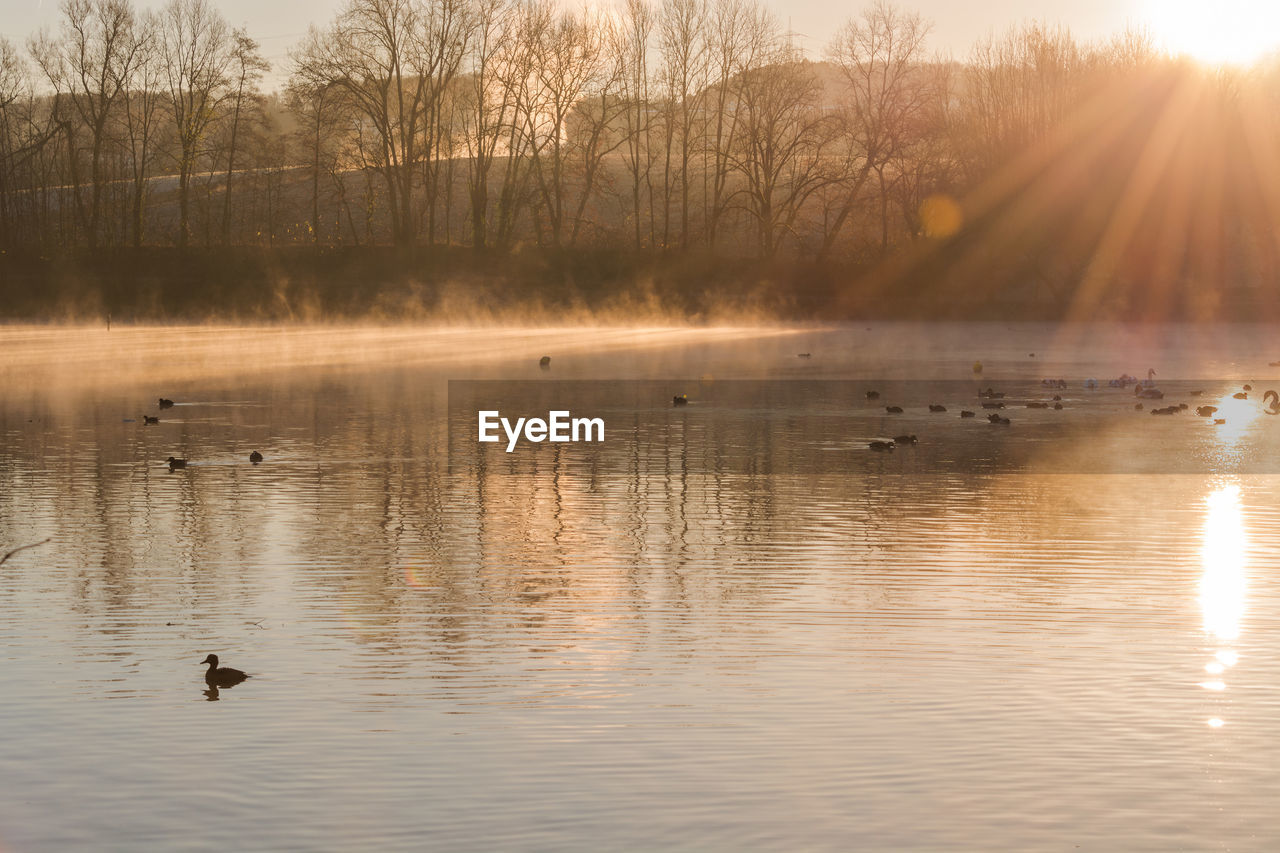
(637, 656)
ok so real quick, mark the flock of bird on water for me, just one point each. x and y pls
(223, 676)
(993, 399)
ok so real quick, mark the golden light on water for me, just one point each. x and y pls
(1222, 555)
(1223, 582)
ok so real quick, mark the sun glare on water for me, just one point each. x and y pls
(1228, 32)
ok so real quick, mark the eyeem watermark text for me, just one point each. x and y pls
(559, 426)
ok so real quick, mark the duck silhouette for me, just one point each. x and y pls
(933, 407)
(150, 419)
(881, 445)
(255, 457)
(174, 464)
(680, 400)
(221, 676)
(165, 403)
(544, 362)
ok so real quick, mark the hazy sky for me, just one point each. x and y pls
(277, 24)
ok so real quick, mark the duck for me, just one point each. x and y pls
(993, 405)
(1058, 405)
(881, 445)
(544, 362)
(255, 457)
(991, 394)
(904, 439)
(680, 400)
(893, 410)
(977, 367)
(873, 395)
(1246, 387)
(1036, 405)
(1206, 411)
(150, 419)
(804, 355)
(965, 413)
(1167, 410)
(936, 408)
(221, 676)
(996, 419)
(165, 403)
(1241, 395)
(176, 463)
(1137, 407)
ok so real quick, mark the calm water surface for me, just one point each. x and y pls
(639, 657)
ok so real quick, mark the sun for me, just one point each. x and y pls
(1225, 32)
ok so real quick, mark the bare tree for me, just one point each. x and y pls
(247, 68)
(142, 100)
(632, 46)
(196, 45)
(487, 106)
(684, 51)
(782, 144)
(887, 94)
(89, 64)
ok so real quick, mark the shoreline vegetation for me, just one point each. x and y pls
(428, 284)
(682, 158)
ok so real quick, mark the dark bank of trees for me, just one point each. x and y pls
(658, 128)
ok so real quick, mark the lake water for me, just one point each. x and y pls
(640, 654)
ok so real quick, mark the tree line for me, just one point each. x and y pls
(654, 126)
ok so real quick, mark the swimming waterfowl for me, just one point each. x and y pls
(164, 404)
(1167, 410)
(1240, 395)
(873, 395)
(936, 408)
(1138, 406)
(991, 394)
(1037, 405)
(1273, 407)
(904, 439)
(965, 413)
(545, 361)
(150, 419)
(1206, 411)
(1247, 387)
(804, 355)
(893, 410)
(177, 463)
(996, 419)
(1058, 406)
(1148, 393)
(255, 457)
(680, 400)
(993, 405)
(223, 676)
(881, 445)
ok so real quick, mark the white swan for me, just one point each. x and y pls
(1273, 407)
